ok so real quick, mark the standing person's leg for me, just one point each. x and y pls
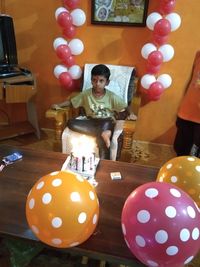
(184, 137)
(195, 150)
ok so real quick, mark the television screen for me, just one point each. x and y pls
(8, 51)
(1, 49)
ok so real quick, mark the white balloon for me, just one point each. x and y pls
(59, 41)
(167, 52)
(152, 19)
(60, 10)
(165, 79)
(147, 49)
(175, 21)
(147, 80)
(78, 17)
(75, 71)
(76, 46)
(59, 69)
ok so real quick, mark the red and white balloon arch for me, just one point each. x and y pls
(69, 17)
(161, 23)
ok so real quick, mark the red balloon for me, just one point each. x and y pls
(65, 79)
(71, 3)
(160, 224)
(152, 69)
(64, 19)
(155, 90)
(159, 40)
(155, 58)
(167, 6)
(70, 61)
(63, 52)
(69, 31)
(162, 27)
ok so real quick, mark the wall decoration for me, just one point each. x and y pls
(69, 17)
(120, 12)
(161, 23)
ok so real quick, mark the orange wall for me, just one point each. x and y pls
(36, 28)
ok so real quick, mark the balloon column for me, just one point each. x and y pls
(68, 18)
(62, 209)
(161, 24)
(160, 224)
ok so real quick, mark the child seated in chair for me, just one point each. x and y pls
(101, 108)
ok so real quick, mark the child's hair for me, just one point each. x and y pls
(102, 70)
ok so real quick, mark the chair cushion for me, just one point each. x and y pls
(121, 80)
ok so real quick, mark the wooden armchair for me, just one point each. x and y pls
(127, 79)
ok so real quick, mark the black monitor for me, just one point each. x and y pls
(8, 50)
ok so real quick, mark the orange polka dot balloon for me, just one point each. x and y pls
(62, 209)
(184, 172)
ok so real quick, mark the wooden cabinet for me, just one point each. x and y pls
(20, 89)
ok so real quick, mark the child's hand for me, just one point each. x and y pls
(132, 117)
(55, 106)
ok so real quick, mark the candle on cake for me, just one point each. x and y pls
(82, 157)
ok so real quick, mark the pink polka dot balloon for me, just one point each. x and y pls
(161, 225)
(62, 209)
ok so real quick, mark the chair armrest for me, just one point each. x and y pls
(130, 125)
(136, 100)
(60, 118)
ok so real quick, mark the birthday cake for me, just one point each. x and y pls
(82, 160)
(85, 165)
(82, 164)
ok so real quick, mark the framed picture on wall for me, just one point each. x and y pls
(120, 12)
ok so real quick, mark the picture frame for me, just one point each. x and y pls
(119, 12)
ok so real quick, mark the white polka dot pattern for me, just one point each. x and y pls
(82, 217)
(56, 241)
(161, 236)
(35, 229)
(140, 241)
(56, 222)
(170, 212)
(75, 197)
(46, 199)
(40, 185)
(183, 172)
(59, 202)
(95, 218)
(31, 203)
(57, 182)
(184, 235)
(151, 193)
(143, 216)
(161, 219)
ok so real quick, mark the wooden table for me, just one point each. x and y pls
(107, 242)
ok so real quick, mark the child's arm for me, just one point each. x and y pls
(125, 114)
(122, 115)
(66, 103)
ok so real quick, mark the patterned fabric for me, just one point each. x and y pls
(103, 107)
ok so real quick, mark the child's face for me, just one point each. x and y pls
(98, 83)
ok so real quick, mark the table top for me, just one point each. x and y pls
(17, 179)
